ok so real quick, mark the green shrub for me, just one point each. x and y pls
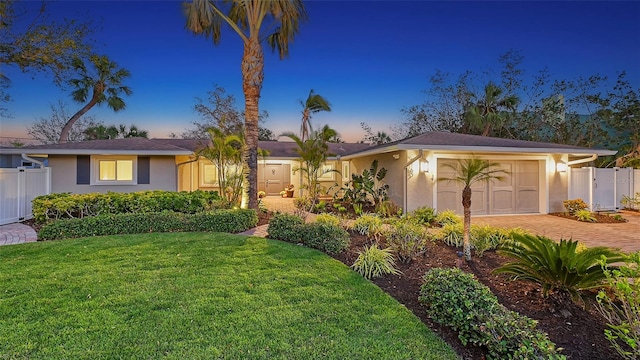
(328, 238)
(327, 218)
(556, 266)
(622, 308)
(456, 299)
(388, 208)
(285, 227)
(585, 215)
(368, 225)
(423, 215)
(574, 205)
(375, 262)
(68, 206)
(448, 217)
(407, 240)
(451, 234)
(487, 237)
(231, 221)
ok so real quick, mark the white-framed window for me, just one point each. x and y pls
(208, 175)
(346, 172)
(326, 172)
(114, 170)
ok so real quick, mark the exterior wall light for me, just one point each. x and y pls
(424, 166)
(561, 166)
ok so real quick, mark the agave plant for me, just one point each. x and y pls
(557, 266)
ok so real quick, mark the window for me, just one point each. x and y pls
(114, 170)
(208, 175)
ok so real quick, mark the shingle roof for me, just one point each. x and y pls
(287, 149)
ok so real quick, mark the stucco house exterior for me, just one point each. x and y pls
(537, 181)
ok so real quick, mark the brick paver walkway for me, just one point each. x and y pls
(17, 233)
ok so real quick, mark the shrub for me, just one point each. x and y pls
(622, 308)
(448, 217)
(456, 299)
(327, 218)
(585, 215)
(556, 266)
(285, 227)
(368, 225)
(451, 234)
(407, 240)
(487, 237)
(574, 205)
(231, 221)
(423, 215)
(631, 202)
(374, 262)
(388, 208)
(328, 238)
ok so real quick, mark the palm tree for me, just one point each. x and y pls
(105, 85)
(314, 104)
(247, 18)
(468, 172)
(487, 112)
(225, 152)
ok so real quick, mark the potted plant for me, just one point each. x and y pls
(261, 194)
(288, 191)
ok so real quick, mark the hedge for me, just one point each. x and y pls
(327, 237)
(229, 221)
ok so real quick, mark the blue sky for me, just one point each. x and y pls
(368, 58)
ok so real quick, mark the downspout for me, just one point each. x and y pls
(40, 163)
(406, 180)
(580, 161)
(178, 173)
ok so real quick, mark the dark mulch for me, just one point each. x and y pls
(603, 218)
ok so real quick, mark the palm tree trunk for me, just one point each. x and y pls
(64, 134)
(252, 77)
(466, 204)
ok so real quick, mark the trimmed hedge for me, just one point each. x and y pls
(285, 227)
(327, 237)
(456, 299)
(66, 206)
(229, 221)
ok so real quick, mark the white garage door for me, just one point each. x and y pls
(516, 193)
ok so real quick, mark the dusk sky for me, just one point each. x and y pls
(368, 58)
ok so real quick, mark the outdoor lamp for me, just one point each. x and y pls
(561, 166)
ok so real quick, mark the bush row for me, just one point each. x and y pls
(325, 236)
(229, 221)
(457, 299)
(66, 206)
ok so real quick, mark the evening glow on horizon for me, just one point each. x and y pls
(370, 59)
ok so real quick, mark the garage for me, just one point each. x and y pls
(517, 193)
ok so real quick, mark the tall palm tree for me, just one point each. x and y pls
(314, 104)
(247, 18)
(468, 172)
(488, 112)
(104, 83)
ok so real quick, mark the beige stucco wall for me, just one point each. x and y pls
(162, 176)
(558, 183)
(395, 172)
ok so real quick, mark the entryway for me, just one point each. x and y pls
(272, 178)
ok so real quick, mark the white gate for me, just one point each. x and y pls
(18, 187)
(601, 189)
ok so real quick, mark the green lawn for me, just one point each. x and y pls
(197, 296)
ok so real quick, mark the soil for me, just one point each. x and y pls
(603, 218)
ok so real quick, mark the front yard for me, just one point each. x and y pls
(197, 295)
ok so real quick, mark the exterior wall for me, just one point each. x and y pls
(64, 175)
(395, 172)
(557, 183)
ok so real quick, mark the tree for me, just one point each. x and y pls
(105, 85)
(247, 19)
(314, 104)
(114, 132)
(265, 134)
(225, 152)
(47, 129)
(468, 172)
(487, 112)
(218, 111)
(378, 138)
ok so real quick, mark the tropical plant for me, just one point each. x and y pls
(574, 205)
(225, 152)
(328, 219)
(375, 262)
(487, 112)
(368, 225)
(468, 172)
(104, 84)
(407, 239)
(114, 132)
(423, 215)
(248, 19)
(585, 215)
(631, 202)
(314, 104)
(367, 188)
(447, 217)
(556, 266)
(621, 309)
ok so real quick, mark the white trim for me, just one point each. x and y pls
(95, 170)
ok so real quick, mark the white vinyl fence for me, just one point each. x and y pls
(603, 189)
(17, 188)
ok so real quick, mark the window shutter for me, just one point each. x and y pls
(143, 170)
(83, 170)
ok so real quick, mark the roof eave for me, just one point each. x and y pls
(19, 151)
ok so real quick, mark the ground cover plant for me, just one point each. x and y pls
(198, 295)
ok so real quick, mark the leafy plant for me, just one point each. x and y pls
(423, 215)
(375, 262)
(575, 205)
(407, 239)
(487, 237)
(328, 238)
(368, 225)
(448, 217)
(585, 216)
(556, 266)
(367, 188)
(631, 202)
(621, 309)
(388, 208)
(457, 299)
(327, 218)
(451, 234)
(357, 208)
(285, 227)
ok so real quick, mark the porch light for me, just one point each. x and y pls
(561, 166)
(424, 166)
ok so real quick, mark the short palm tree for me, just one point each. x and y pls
(104, 83)
(488, 112)
(314, 104)
(249, 19)
(468, 172)
(225, 152)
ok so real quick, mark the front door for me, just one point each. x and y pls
(274, 178)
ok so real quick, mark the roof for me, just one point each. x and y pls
(435, 140)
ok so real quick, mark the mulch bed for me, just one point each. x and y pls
(602, 218)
